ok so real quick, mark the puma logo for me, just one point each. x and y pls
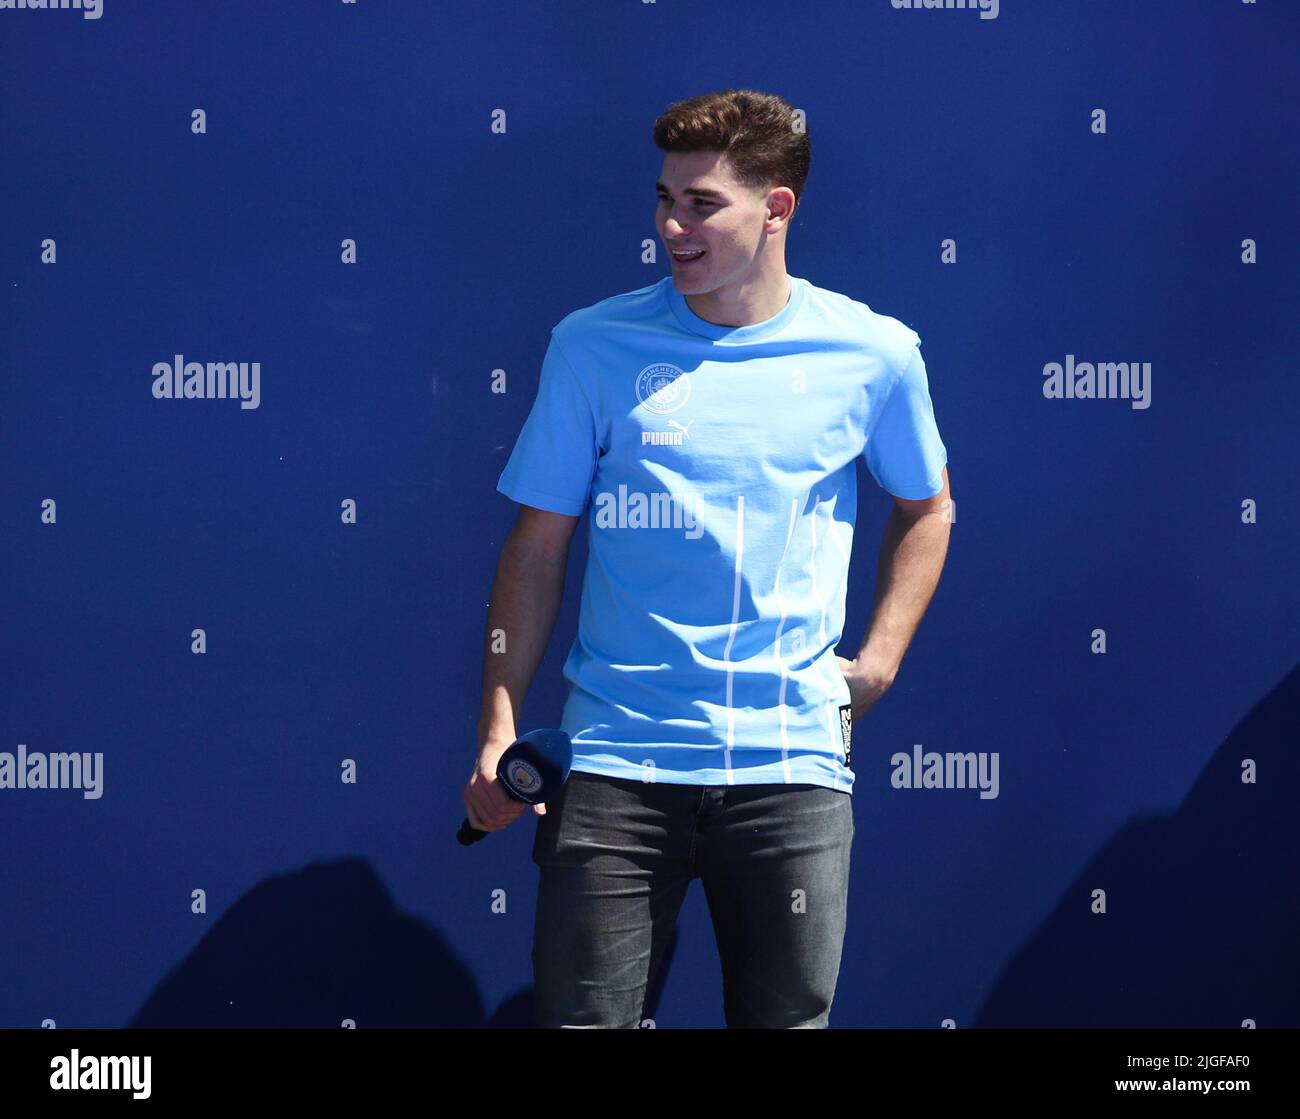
(667, 438)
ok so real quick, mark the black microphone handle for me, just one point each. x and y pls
(469, 834)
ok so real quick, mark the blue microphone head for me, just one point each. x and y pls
(536, 765)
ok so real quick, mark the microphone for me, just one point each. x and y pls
(530, 770)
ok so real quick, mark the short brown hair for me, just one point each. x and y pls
(756, 131)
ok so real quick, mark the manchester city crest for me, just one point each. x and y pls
(663, 388)
(523, 777)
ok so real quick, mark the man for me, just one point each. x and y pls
(710, 423)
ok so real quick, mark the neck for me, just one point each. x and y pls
(755, 300)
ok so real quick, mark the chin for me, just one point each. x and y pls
(692, 285)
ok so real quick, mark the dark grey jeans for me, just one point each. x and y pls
(616, 858)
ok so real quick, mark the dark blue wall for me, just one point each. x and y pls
(326, 641)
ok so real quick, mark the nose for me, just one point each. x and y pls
(672, 227)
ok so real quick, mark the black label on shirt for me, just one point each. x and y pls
(846, 730)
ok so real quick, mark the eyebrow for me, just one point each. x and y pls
(697, 191)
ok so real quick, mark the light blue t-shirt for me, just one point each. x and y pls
(716, 467)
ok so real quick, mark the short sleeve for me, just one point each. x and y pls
(554, 459)
(904, 451)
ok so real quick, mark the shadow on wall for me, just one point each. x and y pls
(1201, 929)
(306, 950)
(1202, 924)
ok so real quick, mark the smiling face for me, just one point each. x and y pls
(737, 232)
